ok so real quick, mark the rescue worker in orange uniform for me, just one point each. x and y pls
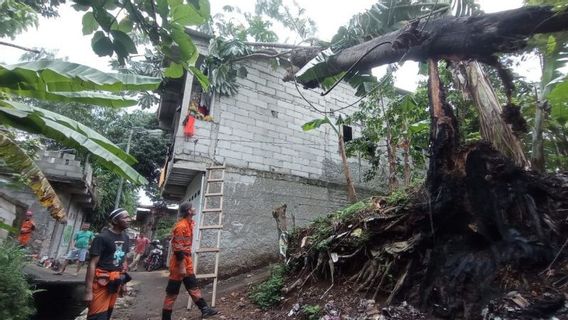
(28, 226)
(181, 267)
(106, 273)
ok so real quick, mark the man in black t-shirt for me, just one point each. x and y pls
(105, 273)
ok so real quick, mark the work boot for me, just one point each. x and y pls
(207, 312)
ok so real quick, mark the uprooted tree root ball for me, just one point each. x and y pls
(489, 245)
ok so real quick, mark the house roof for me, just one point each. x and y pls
(13, 200)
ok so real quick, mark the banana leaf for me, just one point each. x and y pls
(71, 133)
(19, 161)
(62, 76)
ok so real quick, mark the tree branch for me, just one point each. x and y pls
(18, 47)
(454, 38)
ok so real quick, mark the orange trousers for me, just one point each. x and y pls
(102, 305)
(175, 280)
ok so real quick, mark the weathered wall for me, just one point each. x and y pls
(52, 238)
(7, 214)
(249, 238)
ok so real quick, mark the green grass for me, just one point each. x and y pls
(312, 312)
(16, 301)
(268, 293)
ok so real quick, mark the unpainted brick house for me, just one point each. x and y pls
(270, 160)
(73, 183)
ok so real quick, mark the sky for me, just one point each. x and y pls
(64, 35)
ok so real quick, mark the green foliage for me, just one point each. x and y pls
(233, 27)
(162, 23)
(323, 227)
(394, 117)
(221, 71)
(108, 183)
(292, 18)
(312, 312)
(57, 80)
(164, 227)
(15, 17)
(268, 293)
(16, 301)
(146, 146)
(398, 196)
(558, 99)
(70, 133)
(46, 8)
(316, 123)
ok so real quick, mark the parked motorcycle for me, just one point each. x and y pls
(155, 259)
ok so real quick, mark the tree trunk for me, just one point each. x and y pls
(351, 193)
(443, 133)
(537, 151)
(406, 156)
(391, 156)
(475, 37)
(537, 148)
(493, 127)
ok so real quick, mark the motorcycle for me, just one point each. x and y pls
(155, 258)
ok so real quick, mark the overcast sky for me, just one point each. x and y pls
(64, 34)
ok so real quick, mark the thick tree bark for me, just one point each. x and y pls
(455, 38)
(443, 134)
(493, 128)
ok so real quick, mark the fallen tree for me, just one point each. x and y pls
(483, 238)
(454, 38)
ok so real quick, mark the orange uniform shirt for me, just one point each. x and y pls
(182, 239)
(26, 232)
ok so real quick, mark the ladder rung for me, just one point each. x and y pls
(219, 194)
(206, 276)
(212, 210)
(205, 250)
(215, 180)
(215, 226)
(215, 167)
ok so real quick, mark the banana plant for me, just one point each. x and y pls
(553, 52)
(60, 81)
(18, 160)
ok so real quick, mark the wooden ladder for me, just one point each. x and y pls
(214, 186)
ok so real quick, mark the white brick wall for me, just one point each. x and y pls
(260, 127)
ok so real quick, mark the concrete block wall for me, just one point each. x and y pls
(54, 163)
(249, 238)
(7, 215)
(260, 127)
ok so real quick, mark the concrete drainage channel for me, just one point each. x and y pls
(58, 301)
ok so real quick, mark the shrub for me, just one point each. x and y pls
(16, 300)
(268, 293)
(312, 312)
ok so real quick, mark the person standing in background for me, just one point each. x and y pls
(28, 226)
(141, 245)
(82, 240)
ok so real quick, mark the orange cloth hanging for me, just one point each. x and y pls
(189, 127)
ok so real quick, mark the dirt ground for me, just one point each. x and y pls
(148, 290)
(335, 303)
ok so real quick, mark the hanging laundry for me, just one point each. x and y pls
(189, 126)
